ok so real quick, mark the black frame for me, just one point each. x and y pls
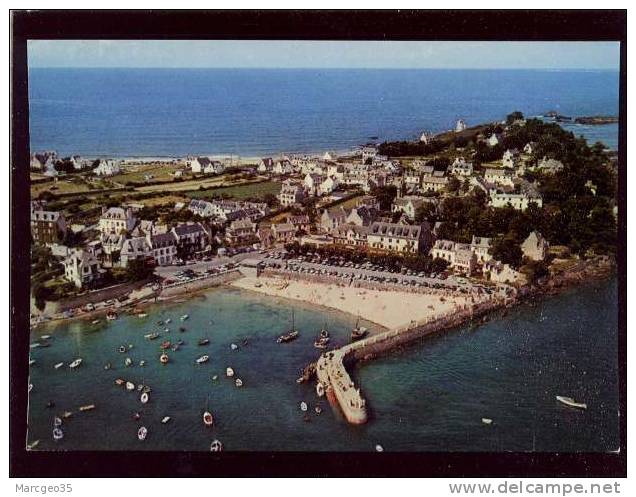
(482, 25)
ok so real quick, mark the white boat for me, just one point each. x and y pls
(31, 362)
(486, 421)
(238, 382)
(58, 434)
(208, 420)
(142, 433)
(34, 345)
(202, 359)
(128, 361)
(75, 364)
(379, 448)
(168, 321)
(57, 421)
(215, 377)
(165, 420)
(569, 401)
(229, 372)
(320, 389)
(144, 398)
(142, 363)
(142, 315)
(95, 321)
(163, 358)
(130, 386)
(33, 445)
(45, 337)
(184, 317)
(30, 387)
(88, 407)
(216, 446)
(233, 346)
(303, 406)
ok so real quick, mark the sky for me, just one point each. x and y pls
(324, 54)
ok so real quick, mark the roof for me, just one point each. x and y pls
(396, 230)
(115, 213)
(186, 229)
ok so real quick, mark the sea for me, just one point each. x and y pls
(429, 396)
(262, 112)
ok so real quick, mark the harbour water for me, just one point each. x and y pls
(427, 397)
(175, 112)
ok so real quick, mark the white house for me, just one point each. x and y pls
(519, 201)
(81, 268)
(499, 176)
(116, 220)
(328, 186)
(134, 249)
(502, 273)
(291, 193)
(434, 183)
(535, 247)
(460, 167)
(529, 148)
(107, 168)
(550, 166)
(282, 166)
(481, 247)
(401, 238)
(460, 126)
(459, 255)
(330, 156)
(493, 139)
(510, 158)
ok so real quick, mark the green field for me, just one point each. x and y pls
(239, 192)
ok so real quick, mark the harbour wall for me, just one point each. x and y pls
(197, 284)
(331, 366)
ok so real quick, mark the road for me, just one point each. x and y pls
(170, 271)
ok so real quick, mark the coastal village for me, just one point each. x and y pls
(449, 226)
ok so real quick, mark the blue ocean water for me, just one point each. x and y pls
(430, 396)
(174, 112)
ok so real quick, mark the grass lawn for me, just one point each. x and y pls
(136, 173)
(239, 192)
(161, 200)
(59, 186)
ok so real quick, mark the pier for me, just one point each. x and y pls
(332, 373)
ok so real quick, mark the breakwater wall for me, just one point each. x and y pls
(201, 283)
(331, 367)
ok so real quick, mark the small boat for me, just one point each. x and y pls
(146, 389)
(33, 445)
(569, 401)
(58, 365)
(58, 434)
(45, 337)
(184, 317)
(107, 366)
(163, 358)
(168, 321)
(88, 407)
(160, 323)
(142, 433)
(303, 406)
(320, 344)
(151, 336)
(292, 334)
(142, 315)
(111, 316)
(165, 345)
(142, 363)
(229, 372)
(175, 347)
(35, 345)
(122, 349)
(324, 333)
(128, 362)
(95, 321)
(238, 382)
(30, 387)
(320, 389)
(216, 446)
(57, 421)
(67, 414)
(358, 332)
(75, 364)
(379, 448)
(130, 386)
(166, 330)
(486, 421)
(31, 362)
(204, 341)
(215, 377)
(202, 359)
(208, 420)
(233, 346)
(181, 329)
(144, 398)
(120, 382)
(318, 410)
(136, 416)
(165, 419)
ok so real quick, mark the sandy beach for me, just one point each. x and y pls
(388, 309)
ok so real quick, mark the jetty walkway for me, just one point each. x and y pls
(331, 366)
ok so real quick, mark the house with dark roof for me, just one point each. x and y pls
(400, 238)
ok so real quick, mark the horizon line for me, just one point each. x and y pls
(553, 69)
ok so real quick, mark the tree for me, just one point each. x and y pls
(426, 212)
(453, 185)
(507, 250)
(137, 270)
(514, 116)
(385, 196)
